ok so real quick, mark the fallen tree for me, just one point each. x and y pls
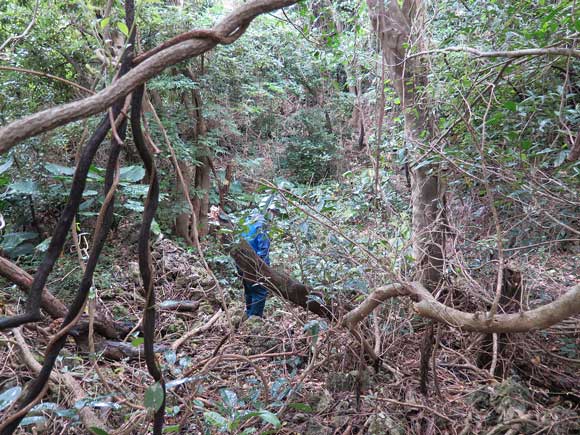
(254, 270)
(425, 305)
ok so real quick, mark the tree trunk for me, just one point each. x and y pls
(201, 200)
(183, 220)
(202, 172)
(393, 25)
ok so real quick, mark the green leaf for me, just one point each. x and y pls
(132, 174)
(6, 165)
(66, 413)
(137, 341)
(105, 22)
(45, 406)
(229, 398)
(97, 402)
(98, 431)
(271, 418)
(55, 169)
(37, 419)
(26, 187)
(9, 396)
(154, 396)
(123, 28)
(12, 240)
(560, 158)
(133, 205)
(510, 105)
(43, 246)
(215, 419)
(177, 382)
(155, 228)
(304, 407)
(171, 429)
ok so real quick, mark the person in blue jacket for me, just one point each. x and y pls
(256, 236)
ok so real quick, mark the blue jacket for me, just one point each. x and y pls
(258, 239)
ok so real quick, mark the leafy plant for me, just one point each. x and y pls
(232, 414)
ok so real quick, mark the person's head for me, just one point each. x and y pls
(256, 216)
(272, 211)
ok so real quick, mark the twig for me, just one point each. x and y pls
(494, 355)
(414, 405)
(177, 343)
(48, 76)
(234, 357)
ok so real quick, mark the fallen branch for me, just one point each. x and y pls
(55, 308)
(177, 343)
(181, 306)
(255, 270)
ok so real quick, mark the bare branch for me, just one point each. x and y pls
(48, 76)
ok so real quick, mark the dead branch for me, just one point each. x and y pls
(55, 308)
(24, 34)
(177, 343)
(48, 76)
(255, 270)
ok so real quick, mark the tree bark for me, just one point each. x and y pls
(202, 172)
(202, 187)
(255, 270)
(56, 309)
(183, 220)
(393, 25)
(427, 306)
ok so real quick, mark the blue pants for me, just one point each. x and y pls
(255, 298)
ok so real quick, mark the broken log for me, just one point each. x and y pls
(254, 270)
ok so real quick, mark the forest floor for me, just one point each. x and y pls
(310, 374)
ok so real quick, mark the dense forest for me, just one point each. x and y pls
(281, 217)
